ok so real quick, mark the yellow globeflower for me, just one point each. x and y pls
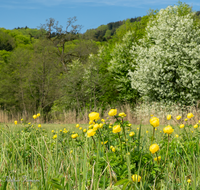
(103, 120)
(55, 137)
(169, 117)
(182, 126)
(112, 112)
(176, 136)
(195, 126)
(154, 148)
(186, 119)
(38, 115)
(21, 119)
(154, 121)
(84, 130)
(190, 115)
(74, 136)
(93, 116)
(178, 117)
(90, 133)
(39, 125)
(129, 124)
(34, 116)
(157, 158)
(147, 131)
(80, 128)
(168, 129)
(113, 149)
(189, 180)
(77, 125)
(52, 131)
(136, 178)
(15, 122)
(122, 114)
(131, 134)
(116, 129)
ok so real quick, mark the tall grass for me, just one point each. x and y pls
(140, 113)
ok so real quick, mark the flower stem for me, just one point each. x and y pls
(94, 142)
(153, 135)
(121, 145)
(167, 149)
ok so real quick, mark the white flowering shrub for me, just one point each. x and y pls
(168, 58)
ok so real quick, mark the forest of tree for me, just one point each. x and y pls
(51, 69)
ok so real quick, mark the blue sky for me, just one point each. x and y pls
(90, 13)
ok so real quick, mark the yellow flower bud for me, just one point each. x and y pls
(34, 116)
(77, 125)
(190, 115)
(91, 133)
(94, 116)
(112, 112)
(169, 117)
(168, 129)
(55, 137)
(15, 122)
(136, 178)
(182, 126)
(96, 126)
(131, 134)
(113, 149)
(157, 158)
(195, 126)
(84, 130)
(178, 117)
(122, 114)
(154, 148)
(39, 125)
(116, 129)
(74, 136)
(154, 121)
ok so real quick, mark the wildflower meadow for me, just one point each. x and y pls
(102, 155)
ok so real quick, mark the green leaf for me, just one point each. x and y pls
(121, 182)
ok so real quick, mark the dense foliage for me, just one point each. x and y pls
(154, 57)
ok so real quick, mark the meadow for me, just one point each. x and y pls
(109, 153)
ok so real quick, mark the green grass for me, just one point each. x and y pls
(84, 163)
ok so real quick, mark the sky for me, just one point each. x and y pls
(89, 13)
